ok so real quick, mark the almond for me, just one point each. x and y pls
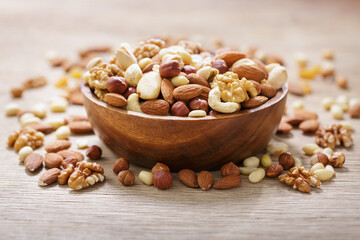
(262, 67)
(267, 90)
(284, 127)
(205, 180)
(53, 160)
(295, 89)
(74, 118)
(230, 57)
(115, 100)
(309, 126)
(155, 107)
(80, 127)
(188, 92)
(167, 89)
(254, 102)
(249, 72)
(41, 127)
(49, 177)
(204, 93)
(229, 169)
(76, 98)
(197, 79)
(228, 182)
(33, 162)
(188, 177)
(58, 145)
(70, 153)
(305, 114)
(293, 121)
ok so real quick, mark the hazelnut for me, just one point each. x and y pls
(337, 159)
(341, 81)
(229, 169)
(286, 160)
(319, 158)
(17, 92)
(220, 65)
(274, 170)
(116, 84)
(169, 69)
(180, 109)
(120, 165)
(189, 69)
(162, 179)
(199, 104)
(94, 152)
(129, 90)
(126, 177)
(160, 166)
(354, 111)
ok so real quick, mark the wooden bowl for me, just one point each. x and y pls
(183, 142)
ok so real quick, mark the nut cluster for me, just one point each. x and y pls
(182, 79)
(300, 179)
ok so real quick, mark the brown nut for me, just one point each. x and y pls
(33, 162)
(267, 90)
(309, 126)
(188, 177)
(228, 182)
(116, 84)
(354, 111)
(337, 159)
(53, 160)
(189, 69)
(162, 179)
(126, 178)
(49, 177)
(341, 82)
(17, 92)
(274, 170)
(180, 109)
(120, 165)
(129, 91)
(319, 158)
(68, 161)
(205, 180)
(229, 169)
(284, 127)
(94, 152)
(286, 160)
(115, 100)
(199, 104)
(149, 67)
(220, 65)
(159, 166)
(169, 69)
(197, 79)
(155, 107)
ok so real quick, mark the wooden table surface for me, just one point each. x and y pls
(267, 210)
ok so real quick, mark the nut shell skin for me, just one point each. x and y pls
(126, 177)
(274, 170)
(286, 160)
(162, 179)
(116, 84)
(94, 152)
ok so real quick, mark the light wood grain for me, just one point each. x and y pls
(268, 210)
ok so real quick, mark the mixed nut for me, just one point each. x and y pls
(183, 79)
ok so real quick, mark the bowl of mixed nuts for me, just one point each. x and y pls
(182, 105)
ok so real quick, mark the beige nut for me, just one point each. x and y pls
(247, 170)
(149, 86)
(223, 107)
(325, 174)
(251, 162)
(208, 73)
(266, 160)
(125, 56)
(277, 148)
(197, 113)
(146, 177)
(277, 77)
(179, 81)
(12, 109)
(133, 74)
(133, 103)
(257, 175)
(310, 148)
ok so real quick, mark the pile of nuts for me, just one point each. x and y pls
(183, 79)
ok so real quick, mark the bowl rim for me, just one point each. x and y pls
(281, 93)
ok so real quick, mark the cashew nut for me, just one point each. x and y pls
(133, 74)
(149, 86)
(223, 107)
(133, 103)
(277, 77)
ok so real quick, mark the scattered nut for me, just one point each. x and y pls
(58, 104)
(63, 132)
(49, 177)
(12, 109)
(257, 175)
(341, 82)
(286, 160)
(251, 162)
(120, 165)
(309, 126)
(229, 169)
(325, 174)
(205, 180)
(354, 111)
(94, 152)
(310, 148)
(188, 177)
(319, 158)
(247, 170)
(126, 177)
(316, 166)
(53, 160)
(162, 179)
(228, 182)
(17, 92)
(337, 111)
(33, 162)
(337, 159)
(159, 166)
(146, 177)
(24, 152)
(276, 148)
(274, 170)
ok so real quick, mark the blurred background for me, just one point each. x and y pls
(31, 28)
